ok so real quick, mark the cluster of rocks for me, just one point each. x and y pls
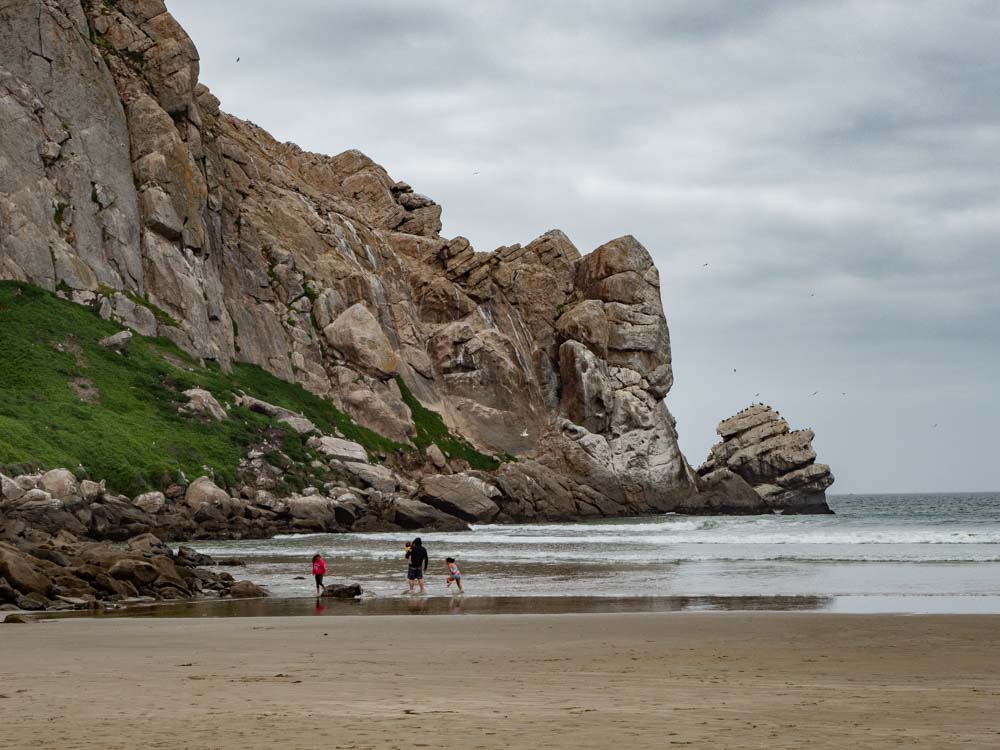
(62, 571)
(778, 463)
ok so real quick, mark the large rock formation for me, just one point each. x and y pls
(125, 187)
(780, 465)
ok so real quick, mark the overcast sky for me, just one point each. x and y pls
(836, 165)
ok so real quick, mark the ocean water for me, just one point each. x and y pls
(905, 553)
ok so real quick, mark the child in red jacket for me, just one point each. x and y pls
(319, 570)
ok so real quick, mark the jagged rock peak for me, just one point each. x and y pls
(780, 464)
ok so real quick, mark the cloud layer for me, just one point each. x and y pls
(834, 163)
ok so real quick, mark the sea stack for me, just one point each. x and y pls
(778, 463)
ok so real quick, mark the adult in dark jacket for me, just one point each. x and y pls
(416, 554)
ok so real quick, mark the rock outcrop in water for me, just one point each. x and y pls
(126, 188)
(779, 464)
(61, 571)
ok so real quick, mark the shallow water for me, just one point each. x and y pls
(919, 553)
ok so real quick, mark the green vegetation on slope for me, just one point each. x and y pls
(432, 429)
(66, 401)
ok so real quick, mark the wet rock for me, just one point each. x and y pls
(136, 572)
(17, 620)
(414, 514)
(342, 591)
(246, 590)
(191, 557)
(21, 573)
(465, 497)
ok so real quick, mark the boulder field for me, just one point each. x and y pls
(127, 189)
(62, 571)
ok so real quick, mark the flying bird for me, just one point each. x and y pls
(237, 59)
(475, 173)
(756, 395)
(934, 425)
(814, 393)
(704, 265)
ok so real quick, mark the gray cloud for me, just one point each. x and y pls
(835, 163)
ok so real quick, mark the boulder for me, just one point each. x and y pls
(358, 336)
(119, 342)
(373, 475)
(149, 543)
(205, 497)
(21, 573)
(246, 590)
(338, 448)
(150, 502)
(436, 456)
(301, 425)
(201, 401)
(16, 619)
(91, 491)
(136, 572)
(414, 514)
(342, 591)
(192, 558)
(9, 489)
(466, 497)
(32, 602)
(60, 484)
(7, 594)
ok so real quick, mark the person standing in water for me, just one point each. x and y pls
(416, 553)
(319, 570)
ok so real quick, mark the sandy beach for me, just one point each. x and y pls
(725, 680)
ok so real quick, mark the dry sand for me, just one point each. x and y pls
(719, 680)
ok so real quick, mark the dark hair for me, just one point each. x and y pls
(417, 542)
(449, 559)
(316, 557)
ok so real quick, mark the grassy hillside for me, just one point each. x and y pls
(65, 401)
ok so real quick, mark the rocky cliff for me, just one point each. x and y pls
(124, 187)
(779, 464)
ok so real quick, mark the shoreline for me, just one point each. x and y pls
(733, 679)
(527, 606)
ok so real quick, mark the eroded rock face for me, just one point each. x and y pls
(125, 187)
(779, 464)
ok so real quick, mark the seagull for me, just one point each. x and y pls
(524, 433)
(237, 59)
(756, 395)
(734, 369)
(934, 425)
(475, 173)
(704, 265)
(814, 393)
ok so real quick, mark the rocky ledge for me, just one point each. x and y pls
(43, 571)
(779, 464)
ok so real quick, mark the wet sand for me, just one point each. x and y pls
(722, 680)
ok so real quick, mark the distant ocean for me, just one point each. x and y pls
(879, 553)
